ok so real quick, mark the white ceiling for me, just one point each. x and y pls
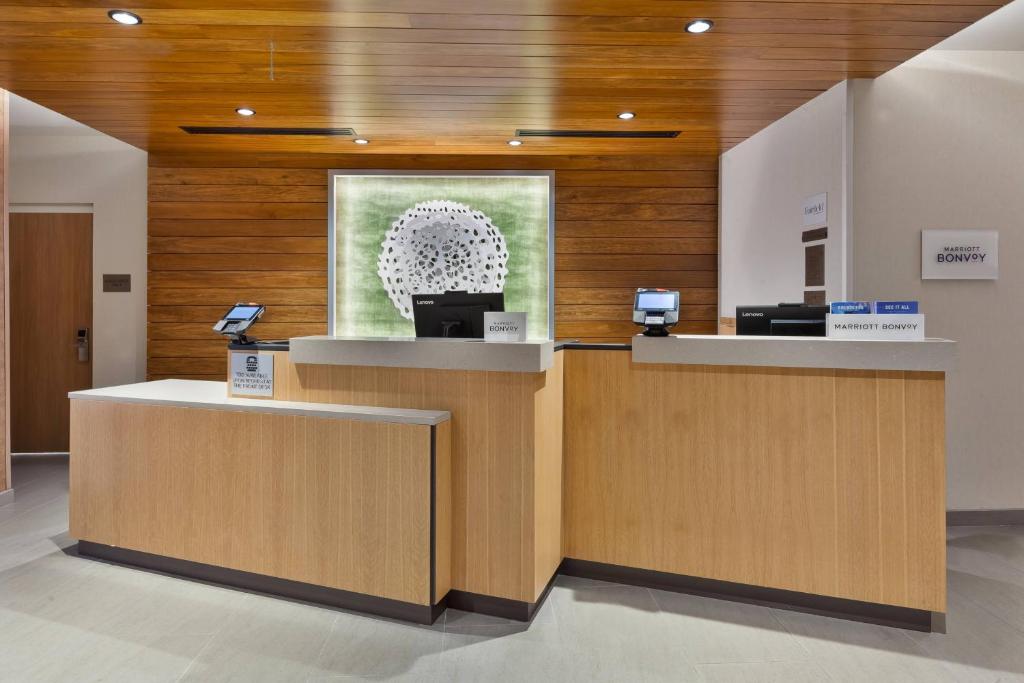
(1003, 30)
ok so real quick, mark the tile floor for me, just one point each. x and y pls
(63, 618)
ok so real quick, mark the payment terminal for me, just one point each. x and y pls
(237, 322)
(656, 309)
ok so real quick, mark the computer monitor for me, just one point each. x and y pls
(454, 314)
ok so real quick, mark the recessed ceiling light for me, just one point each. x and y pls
(124, 17)
(515, 143)
(699, 26)
(245, 111)
(627, 115)
(361, 141)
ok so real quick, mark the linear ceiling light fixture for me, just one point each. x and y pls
(253, 130)
(597, 133)
(123, 16)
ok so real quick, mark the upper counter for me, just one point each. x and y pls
(796, 352)
(214, 396)
(440, 354)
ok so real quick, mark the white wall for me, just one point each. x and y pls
(93, 168)
(764, 182)
(939, 144)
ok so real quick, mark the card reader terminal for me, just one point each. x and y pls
(656, 309)
(238, 320)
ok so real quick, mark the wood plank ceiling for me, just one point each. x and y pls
(453, 76)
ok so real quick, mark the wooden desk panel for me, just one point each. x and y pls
(506, 446)
(821, 481)
(331, 502)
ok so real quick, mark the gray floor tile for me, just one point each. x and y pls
(717, 631)
(763, 672)
(479, 657)
(976, 646)
(45, 652)
(996, 587)
(270, 640)
(856, 652)
(620, 627)
(380, 648)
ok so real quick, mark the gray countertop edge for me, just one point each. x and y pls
(428, 354)
(254, 405)
(928, 355)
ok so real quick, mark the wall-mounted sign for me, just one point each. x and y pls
(117, 283)
(504, 327)
(959, 255)
(816, 210)
(252, 373)
(875, 326)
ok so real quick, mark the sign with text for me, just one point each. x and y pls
(888, 327)
(816, 210)
(504, 327)
(959, 255)
(252, 373)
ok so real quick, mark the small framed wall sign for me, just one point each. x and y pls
(815, 210)
(959, 255)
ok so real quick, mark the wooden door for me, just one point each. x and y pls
(51, 301)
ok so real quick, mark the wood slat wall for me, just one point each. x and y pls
(255, 229)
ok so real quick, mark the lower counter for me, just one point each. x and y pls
(349, 508)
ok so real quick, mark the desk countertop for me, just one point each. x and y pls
(409, 352)
(214, 396)
(796, 352)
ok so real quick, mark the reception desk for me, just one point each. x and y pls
(798, 472)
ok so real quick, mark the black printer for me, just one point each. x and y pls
(784, 320)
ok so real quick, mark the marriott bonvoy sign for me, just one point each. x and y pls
(959, 255)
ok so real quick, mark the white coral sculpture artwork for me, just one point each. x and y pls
(440, 246)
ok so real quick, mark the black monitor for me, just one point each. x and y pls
(454, 314)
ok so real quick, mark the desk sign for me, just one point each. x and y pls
(886, 326)
(252, 373)
(959, 255)
(504, 327)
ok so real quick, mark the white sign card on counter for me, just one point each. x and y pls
(504, 327)
(252, 373)
(959, 255)
(888, 327)
(815, 211)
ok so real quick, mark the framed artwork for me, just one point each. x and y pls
(394, 234)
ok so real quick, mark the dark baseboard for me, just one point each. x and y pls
(984, 517)
(855, 610)
(504, 608)
(887, 615)
(259, 583)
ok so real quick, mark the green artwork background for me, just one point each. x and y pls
(365, 206)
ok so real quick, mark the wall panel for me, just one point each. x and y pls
(227, 229)
(5, 356)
